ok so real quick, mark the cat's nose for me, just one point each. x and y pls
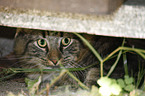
(54, 61)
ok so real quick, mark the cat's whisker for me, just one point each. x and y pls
(16, 58)
(19, 58)
(31, 65)
(80, 72)
(15, 64)
(76, 73)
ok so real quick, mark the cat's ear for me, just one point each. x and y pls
(20, 32)
(20, 42)
(17, 32)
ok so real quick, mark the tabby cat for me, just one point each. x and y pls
(47, 50)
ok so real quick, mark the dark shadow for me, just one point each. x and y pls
(135, 2)
(7, 32)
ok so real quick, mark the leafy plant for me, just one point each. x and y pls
(110, 86)
(33, 85)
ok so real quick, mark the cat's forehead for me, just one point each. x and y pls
(27, 32)
(38, 34)
(60, 34)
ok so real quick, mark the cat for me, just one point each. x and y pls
(48, 50)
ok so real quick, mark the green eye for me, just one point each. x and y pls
(65, 41)
(41, 43)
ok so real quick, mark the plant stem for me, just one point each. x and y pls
(76, 79)
(111, 54)
(101, 67)
(21, 70)
(54, 81)
(118, 57)
(90, 47)
(125, 64)
(93, 50)
(139, 51)
(132, 49)
(114, 65)
(6, 77)
(79, 82)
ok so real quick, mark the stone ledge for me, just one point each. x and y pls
(128, 21)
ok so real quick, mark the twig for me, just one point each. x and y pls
(54, 81)
(47, 89)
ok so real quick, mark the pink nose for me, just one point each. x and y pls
(54, 61)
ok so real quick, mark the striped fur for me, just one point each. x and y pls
(47, 50)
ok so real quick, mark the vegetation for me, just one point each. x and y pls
(108, 87)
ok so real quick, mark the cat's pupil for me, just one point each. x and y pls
(41, 43)
(65, 41)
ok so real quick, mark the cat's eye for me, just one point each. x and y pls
(65, 41)
(41, 43)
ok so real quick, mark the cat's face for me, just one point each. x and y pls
(47, 49)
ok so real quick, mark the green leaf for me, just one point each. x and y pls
(104, 81)
(113, 81)
(129, 80)
(33, 85)
(121, 83)
(30, 83)
(126, 77)
(94, 91)
(105, 91)
(115, 89)
(129, 87)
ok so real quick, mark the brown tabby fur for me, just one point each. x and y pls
(75, 54)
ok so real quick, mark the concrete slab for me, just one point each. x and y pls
(127, 21)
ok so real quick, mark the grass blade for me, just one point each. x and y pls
(90, 47)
